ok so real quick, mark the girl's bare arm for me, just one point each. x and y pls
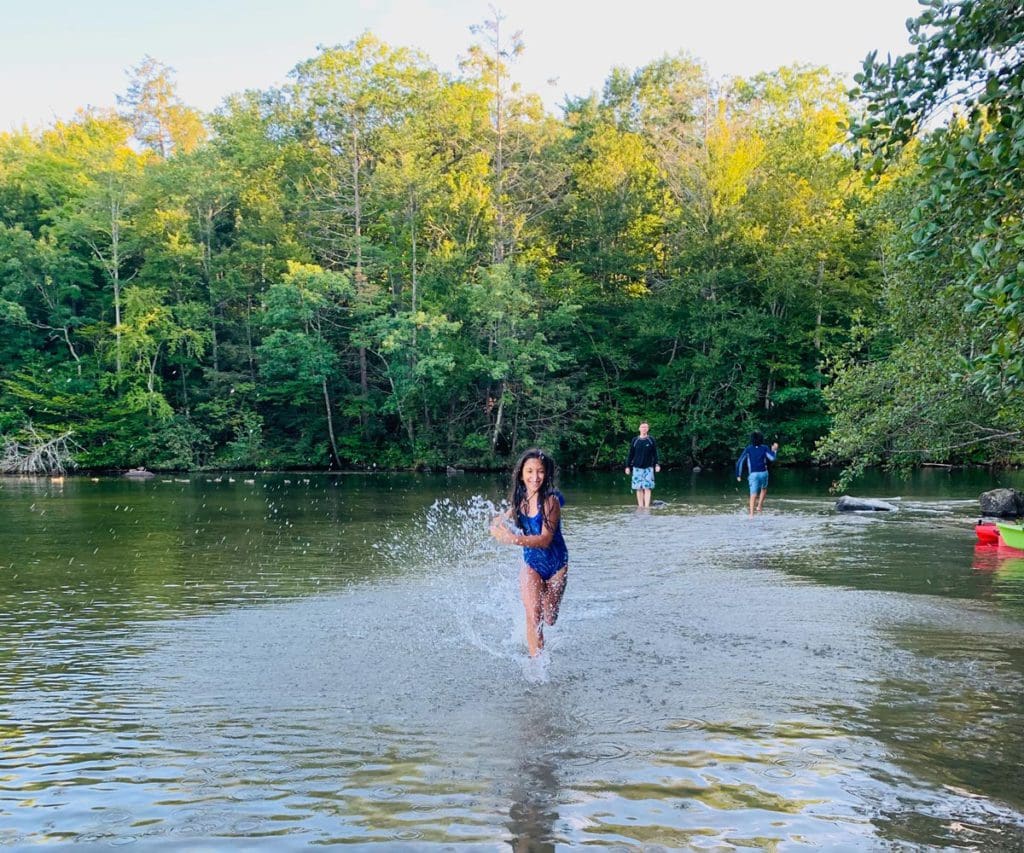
(552, 513)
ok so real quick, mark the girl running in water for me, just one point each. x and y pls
(536, 511)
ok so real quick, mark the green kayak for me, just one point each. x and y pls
(1013, 534)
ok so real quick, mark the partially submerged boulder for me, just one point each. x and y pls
(850, 504)
(139, 473)
(1002, 503)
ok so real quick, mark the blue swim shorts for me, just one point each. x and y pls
(643, 478)
(758, 481)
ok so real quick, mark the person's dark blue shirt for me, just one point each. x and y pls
(757, 457)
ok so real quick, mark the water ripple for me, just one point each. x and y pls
(283, 664)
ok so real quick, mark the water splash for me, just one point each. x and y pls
(473, 578)
(452, 535)
(536, 669)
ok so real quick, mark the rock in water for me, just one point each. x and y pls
(849, 504)
(1002, 503)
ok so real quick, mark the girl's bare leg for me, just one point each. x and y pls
(530, 590)
(551, 596)
(760, 499)
(753, 500)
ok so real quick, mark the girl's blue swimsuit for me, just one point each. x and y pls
(545, 561)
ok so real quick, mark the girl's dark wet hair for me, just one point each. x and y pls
(517, 494)
(756, 438)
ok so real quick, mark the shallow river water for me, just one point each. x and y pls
(274, 661)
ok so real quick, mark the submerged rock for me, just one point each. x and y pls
(849, 504)
(139, 473)
(1002, 503)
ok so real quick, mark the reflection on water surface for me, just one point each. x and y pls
(312, 659)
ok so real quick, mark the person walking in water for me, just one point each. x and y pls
(535, 511)
(643, 463)
(756, 455)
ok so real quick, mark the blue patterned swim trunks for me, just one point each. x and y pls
(643, 478)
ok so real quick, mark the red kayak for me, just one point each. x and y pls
(987, 533)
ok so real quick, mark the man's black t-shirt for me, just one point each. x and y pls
(643, 453)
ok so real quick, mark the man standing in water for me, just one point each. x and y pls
(643, 462)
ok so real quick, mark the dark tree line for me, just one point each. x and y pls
(382, 264)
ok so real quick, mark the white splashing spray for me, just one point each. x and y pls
(475, 578)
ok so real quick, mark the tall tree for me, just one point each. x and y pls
(961, 92)
(87, 178)
(525, 178)
(937, 376)
(345, 99)
(296, 357)
(160, 121)
(491, 59)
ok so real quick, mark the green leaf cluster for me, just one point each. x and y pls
(941, 131)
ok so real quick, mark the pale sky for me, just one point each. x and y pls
(58, 55)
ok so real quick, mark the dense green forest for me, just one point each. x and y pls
(382, 264)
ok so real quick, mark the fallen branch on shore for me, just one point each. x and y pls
(32, 453)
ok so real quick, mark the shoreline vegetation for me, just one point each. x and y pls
(452, 471)
(382, 265)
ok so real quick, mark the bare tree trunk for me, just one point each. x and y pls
(207, 220)
(67, 340)
(364, 382)
(248, 337)
(499, 159)
(675, 346)
(115, 275)
(412, 226)
(184, 391)
(111, 262)
(410, 429)
(214, 347)
(515, 427)
(498, 417)
(71, 347)
(364, 388)
(817, 326)
(65, 333)
(112, 265)
(357, 204)
(406, 421)
(330, 423)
